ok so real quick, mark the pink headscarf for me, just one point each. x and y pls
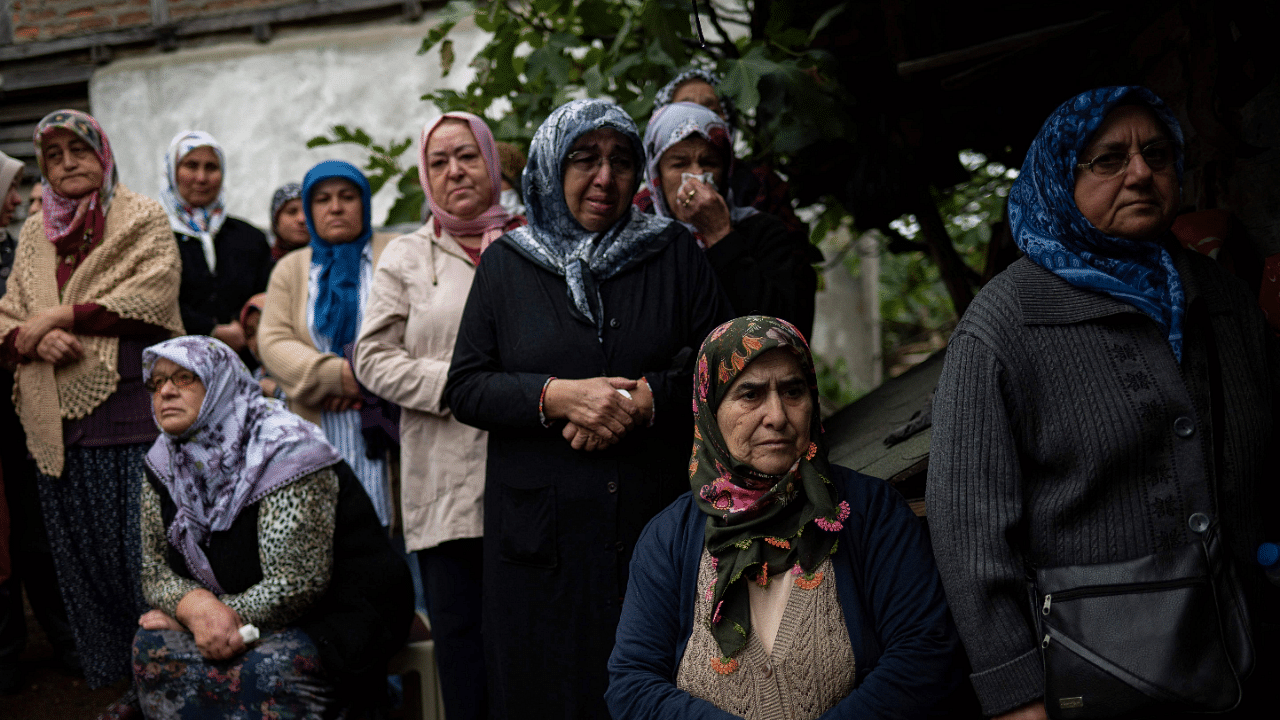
(490, 224)
(66, 219)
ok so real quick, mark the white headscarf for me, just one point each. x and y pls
(202, 223)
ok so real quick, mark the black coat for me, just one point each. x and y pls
(244, 266)
(561, 524)
(362, 618)
(767, 270)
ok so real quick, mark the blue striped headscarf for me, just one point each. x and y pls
(1053, 232)
(336, 310)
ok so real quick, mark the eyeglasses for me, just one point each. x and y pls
(1157, 155)
(180, 379)
(588, 162)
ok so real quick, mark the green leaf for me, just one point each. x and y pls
(319, 141)
(826, 19)
(742, 78)
(446, 58)
(593, 80)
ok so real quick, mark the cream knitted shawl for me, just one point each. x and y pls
(134, 273)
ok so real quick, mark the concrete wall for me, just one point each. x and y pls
(263, 102)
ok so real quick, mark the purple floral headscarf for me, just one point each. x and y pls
(241, 447)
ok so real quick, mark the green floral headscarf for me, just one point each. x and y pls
(758, 525)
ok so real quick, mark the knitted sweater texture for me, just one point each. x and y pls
(1065, 432)
(134, 272)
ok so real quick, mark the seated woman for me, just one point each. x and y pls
(764, 269)
(224, 260)
(249, 517)
(288, 221)
(783, 586)
(314, 304)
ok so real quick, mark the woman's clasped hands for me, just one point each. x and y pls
(214, 624)
(598, 414)
(45, 336)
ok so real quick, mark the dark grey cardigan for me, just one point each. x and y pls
(1065, 432)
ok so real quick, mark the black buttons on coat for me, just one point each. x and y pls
(1198, 522)
(1184, 427)
(615, 324)
(612, 487)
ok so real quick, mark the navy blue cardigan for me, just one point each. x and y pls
(905, 644)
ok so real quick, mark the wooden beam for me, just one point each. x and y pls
(197, 26)
(994, 47)
(47, 77)
(34, 111)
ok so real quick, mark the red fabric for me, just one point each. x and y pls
(6, 569)
(1203, 231)
(473, 253)
(73, 249)
(93, 319)
(9, 354)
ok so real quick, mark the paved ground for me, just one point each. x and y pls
(50, 694)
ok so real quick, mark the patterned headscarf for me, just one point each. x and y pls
(1053, 232)
(488, 224)
(201, 223)
(554, 238)
(336, 309)
(68, 221)
(673, 123)
(669, 90)
(282, 195)
(241, 447)
(758, 525)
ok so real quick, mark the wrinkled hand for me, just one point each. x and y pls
(700, 205)
(37, 326)
(232, 334)
(580, 439)
(159, 620)
(595, 406)
(1030, 711)
(59, 347)
(215, 625)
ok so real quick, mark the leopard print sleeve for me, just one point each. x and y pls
(161, 586)
(295, 548)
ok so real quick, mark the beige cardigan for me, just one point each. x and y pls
(307, 375)
(406, 342)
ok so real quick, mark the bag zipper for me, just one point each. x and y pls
(1099, 590)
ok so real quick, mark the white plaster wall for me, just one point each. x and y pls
(263, 102)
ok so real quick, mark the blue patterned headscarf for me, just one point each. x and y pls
(554, 238)
(1053, 232)
(669, 90)
(241, 447)
(336, 310)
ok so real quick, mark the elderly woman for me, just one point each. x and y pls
(753, 185)
(1108, 398)
(288, 221)
(406, 341)
(249, 517)
(95, 281)
(783, 586)
(309, 322)
(592, 297)
(225, 260)
(762, 267)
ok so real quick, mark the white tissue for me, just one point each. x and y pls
(624, 393)
(249, 634)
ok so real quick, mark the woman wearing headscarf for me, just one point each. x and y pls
(783, 586)
(250, 518)
(225, 260)
(764, 269)
(95, 280)
(288, 221)
(1108, 398)
(312, 312)
(753, 185)
(406, 342)
(592, 297)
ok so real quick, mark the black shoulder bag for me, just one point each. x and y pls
(1168, 632)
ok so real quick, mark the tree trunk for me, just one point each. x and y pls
(955, 274)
